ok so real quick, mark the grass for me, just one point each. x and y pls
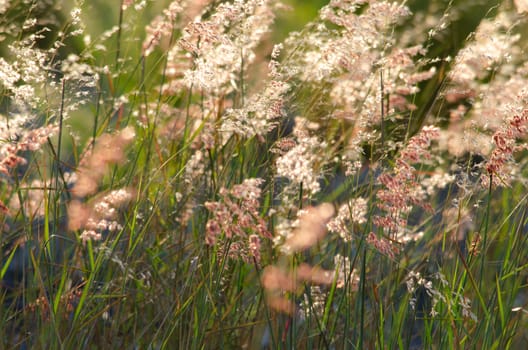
(84, 268)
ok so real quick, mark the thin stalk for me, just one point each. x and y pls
(382, 106)
(362, 300)
(485, 235)
(118, 37)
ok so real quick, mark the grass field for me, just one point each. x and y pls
(196, 175)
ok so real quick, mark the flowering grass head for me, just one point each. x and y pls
(359, 184)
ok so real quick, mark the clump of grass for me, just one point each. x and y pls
(188, 183)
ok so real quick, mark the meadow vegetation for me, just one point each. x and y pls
(174, 178)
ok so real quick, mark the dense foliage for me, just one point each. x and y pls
(188, 183)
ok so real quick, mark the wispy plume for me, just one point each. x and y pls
(236, 224)
(107, 150)
(401, 189)
(310, 228)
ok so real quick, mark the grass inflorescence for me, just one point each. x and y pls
(172, 178)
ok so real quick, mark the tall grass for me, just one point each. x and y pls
(187, 183)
